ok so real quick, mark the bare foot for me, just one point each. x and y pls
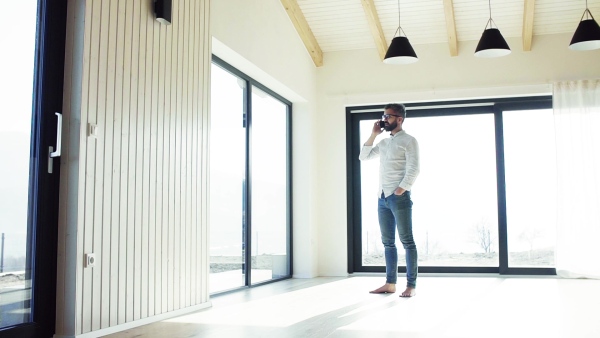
(387, 288)
(409, 292)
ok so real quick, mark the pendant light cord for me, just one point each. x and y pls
(400, 31)
(587, 10)
(587, 14)
(491, 22)
(399, 13)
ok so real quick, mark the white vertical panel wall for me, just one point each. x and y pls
(137, 110)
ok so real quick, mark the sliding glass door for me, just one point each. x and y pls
(269, 187)
(473, 207)
(227, 180)
(17, 69)
(250, 180)
(31, 68)
(455, 205)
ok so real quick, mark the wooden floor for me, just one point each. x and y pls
(465, 307)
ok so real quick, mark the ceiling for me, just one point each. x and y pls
(336, 25)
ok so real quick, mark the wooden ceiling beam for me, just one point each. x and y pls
(375, 27)
(451, 27)
(295, 13)
(528, 14)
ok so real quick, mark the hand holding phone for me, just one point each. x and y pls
(378, 128)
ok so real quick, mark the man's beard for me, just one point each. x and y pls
(391, 126)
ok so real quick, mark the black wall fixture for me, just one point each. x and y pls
(162, 10)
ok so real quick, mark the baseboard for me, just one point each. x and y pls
(139, 322)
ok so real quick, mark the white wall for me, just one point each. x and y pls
(258, 38)
(359, 78)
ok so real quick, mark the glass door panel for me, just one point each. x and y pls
(530, 162)
(455, 212)
(16, 85)
(269, 202)
(227, 180)
(249, 182)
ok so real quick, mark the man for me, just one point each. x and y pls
(398, 170)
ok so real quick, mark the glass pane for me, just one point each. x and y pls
(16, 84)
(227, 174)
(455, 220)
(530, 162)
(269, 188)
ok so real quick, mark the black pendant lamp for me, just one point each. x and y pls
(587, 35)
(491, 44)
(400, 51)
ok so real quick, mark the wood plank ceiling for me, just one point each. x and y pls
(337, 25)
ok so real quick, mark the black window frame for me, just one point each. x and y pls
(247, 231)
(355, 114)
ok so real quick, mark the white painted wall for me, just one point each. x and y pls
(359, 78)
(258, 38)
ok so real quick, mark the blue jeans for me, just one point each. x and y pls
(395, 211)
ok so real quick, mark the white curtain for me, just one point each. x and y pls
(577, 125)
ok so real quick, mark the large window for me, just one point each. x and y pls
(530, 162)
(250, 207)
(455, 197)
(484, 198)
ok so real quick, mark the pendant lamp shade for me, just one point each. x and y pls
(587, 35)
(492, 44)
(400, 52)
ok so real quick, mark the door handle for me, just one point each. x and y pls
(53, 154)
(56, 153)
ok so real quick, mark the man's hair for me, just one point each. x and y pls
(398, 108)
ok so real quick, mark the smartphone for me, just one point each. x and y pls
(381, 124)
